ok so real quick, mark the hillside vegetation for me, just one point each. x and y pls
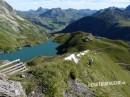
(16, 31)
(53, 75)
(80, 41)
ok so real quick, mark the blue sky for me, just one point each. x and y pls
(77, 4)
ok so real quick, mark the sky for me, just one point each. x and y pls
(64, 4)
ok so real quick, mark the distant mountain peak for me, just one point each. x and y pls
(112, 13)
(110, 10)
(128, 8)
(110, 22)
(40, 9)
(54, 12)
(58, 18)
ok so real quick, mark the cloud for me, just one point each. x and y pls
(78, 4)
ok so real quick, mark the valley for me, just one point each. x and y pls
(55, 19)
(20, 34)
(55, 52)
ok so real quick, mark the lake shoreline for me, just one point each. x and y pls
(47, 48)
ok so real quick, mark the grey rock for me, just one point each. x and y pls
(77, 89)
(10, 88)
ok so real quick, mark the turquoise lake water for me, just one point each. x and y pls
(26, 53)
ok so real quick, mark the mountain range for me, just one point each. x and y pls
(16, 31)
(54, 19)
(110, 22)
(86, 31)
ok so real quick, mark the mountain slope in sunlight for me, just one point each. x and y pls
(16, 31)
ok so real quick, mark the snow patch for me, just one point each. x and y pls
(72, 57)
(76, 57)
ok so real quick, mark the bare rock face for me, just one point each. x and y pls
(3, 76)
(5, 8)
(8, 16)
(77, 89)
(10, 88)
(37, 92)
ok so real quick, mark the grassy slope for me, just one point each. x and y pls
(7, 42)
(53, 73)
(26, 33)
(117, 49)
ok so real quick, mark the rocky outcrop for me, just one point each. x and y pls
(38, 92)
(9, 88)
(5, 8)
(78, 89)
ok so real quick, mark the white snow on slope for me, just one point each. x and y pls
(76, 57)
